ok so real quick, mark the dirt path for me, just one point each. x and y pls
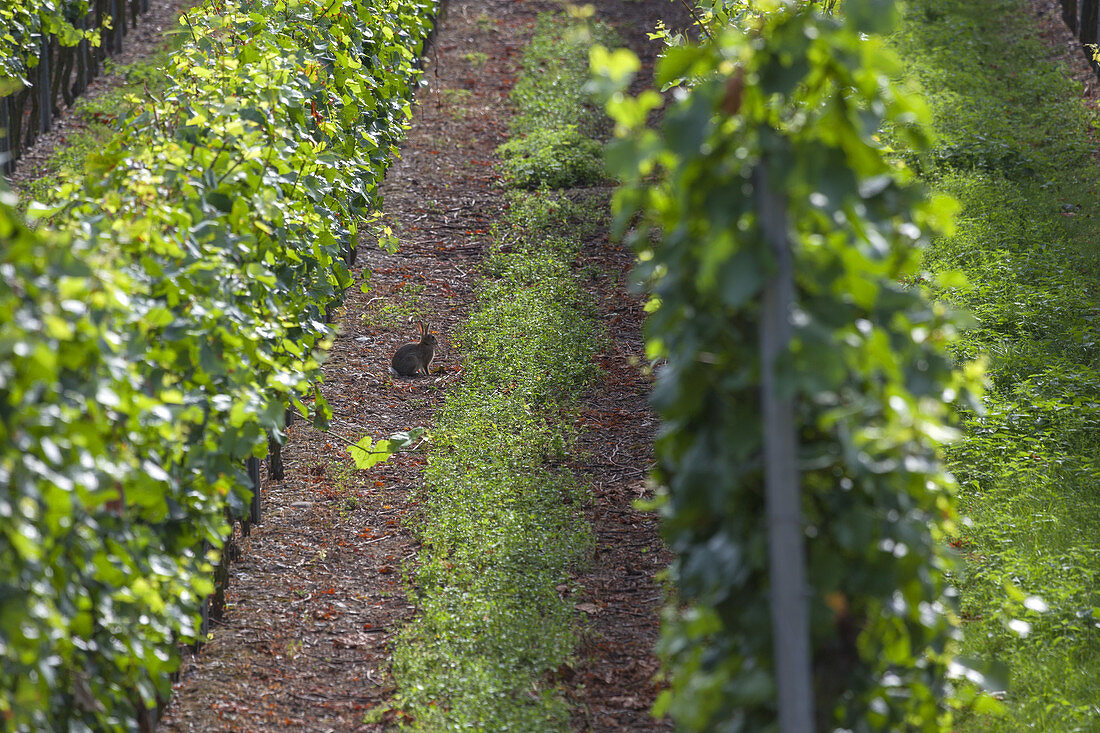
(318, 595)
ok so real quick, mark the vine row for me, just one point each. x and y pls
(154, 331)
(50, 51)
(797, 94)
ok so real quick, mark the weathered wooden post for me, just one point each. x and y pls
(1090, 24)
(6, 162)
(256, 507)
(204, 625)
(1069, 14)
(790, 618)
(118, 20)
(45, 99)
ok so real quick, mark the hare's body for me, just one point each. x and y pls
(411, 358)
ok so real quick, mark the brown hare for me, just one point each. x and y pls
(411, 358)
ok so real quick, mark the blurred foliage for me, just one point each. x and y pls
(790, 93)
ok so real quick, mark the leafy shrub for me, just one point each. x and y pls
(552, 158)
(99, 117)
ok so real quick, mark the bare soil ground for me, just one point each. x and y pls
(318, 595)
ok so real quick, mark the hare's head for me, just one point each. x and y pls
(425, 336)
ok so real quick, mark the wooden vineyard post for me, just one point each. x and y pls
(17, 105)
(1090, 20)
(45, 105)
(6, 162)
(253, 466)
(120, 24)
(275, 459)
(1069, 14)
(275, 468)
(85, 56)
(204, 626)
(97, 53)
(66, 63)
(790, 618)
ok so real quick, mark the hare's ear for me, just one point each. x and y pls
(423, 328)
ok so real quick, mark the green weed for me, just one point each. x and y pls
(1015, 149)
(535, 222)
(405, 307)
(454, 102)
(484, 22)
(548, 212)
(552, 158)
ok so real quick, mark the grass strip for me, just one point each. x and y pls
(555, 127)
(1016, 148)
(502, 522)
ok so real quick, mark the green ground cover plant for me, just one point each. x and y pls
(502, 524)
(151, 340)
(556, 61)
(555, 130)
(1016, 147)
(555, 157)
